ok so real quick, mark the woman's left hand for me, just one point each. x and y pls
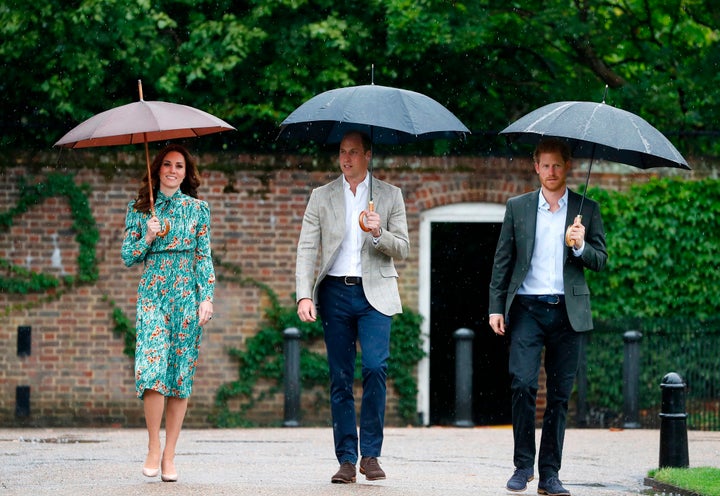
(205, 312)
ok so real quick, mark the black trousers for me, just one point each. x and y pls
(534, 325)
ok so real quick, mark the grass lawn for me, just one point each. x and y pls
(702, 480)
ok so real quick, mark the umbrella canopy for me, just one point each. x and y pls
(142, 122)
(598, 130)
(388, 115)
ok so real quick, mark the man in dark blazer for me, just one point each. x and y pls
(356, 293)
(539, 297)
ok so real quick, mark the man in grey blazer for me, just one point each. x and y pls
(539, 296)
(356, 294)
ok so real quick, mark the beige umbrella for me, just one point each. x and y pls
(143, 122)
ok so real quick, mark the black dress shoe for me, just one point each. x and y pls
(552, 487)
(518, 481)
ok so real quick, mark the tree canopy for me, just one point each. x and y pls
(252, 62)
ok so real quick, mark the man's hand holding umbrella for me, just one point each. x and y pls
(371, 219)
(575, 234)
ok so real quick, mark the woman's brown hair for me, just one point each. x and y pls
(189, 185)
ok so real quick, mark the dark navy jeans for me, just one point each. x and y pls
(534, 325)
(347, 317)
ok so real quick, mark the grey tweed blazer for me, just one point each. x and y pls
(323, 227)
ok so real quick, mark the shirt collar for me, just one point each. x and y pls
(162, 197)
(544, 205)
(366, 181)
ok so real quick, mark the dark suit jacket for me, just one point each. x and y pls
(515, 248)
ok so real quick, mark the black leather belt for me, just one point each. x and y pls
(347, 280)
(553, 299)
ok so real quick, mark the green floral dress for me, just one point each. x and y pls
(178, 275)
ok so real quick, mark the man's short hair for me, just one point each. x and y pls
(367, 144)
(552, 145)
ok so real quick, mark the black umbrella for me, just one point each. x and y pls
(598, 130)
(388, 115)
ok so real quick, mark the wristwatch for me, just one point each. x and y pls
(376, 240)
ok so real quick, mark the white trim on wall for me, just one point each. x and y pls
(459, 212)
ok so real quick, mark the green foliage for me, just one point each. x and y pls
(123, 327)
(252, 63)
(20, 280)
(23, 281)
(662, 239)
(405, 353)
(263, 359)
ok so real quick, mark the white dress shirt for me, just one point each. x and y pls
(348, 261)
(545, 276)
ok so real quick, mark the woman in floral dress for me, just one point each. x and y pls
(175, 296)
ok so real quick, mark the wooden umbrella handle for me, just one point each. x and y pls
(569, 242)
(166, 224)
(166, 228)
(371, 208)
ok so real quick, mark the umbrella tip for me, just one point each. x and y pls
(140, 89)
(372, 73)
(605, 94)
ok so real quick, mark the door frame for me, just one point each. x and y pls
(458, 212)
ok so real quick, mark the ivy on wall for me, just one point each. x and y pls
(16, 279)
(660, 279)
(662, 241)
(263, 358)
(123, 327)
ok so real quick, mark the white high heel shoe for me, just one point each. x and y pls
(169, 477)
(150, 472)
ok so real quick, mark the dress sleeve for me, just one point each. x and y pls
(204, 270)
(134, 247)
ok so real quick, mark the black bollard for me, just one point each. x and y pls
(463, 377)
(631, 380)
(292, 377)
(673, 423)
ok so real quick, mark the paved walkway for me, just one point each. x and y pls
(299, 462)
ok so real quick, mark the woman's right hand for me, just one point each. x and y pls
(153, 228)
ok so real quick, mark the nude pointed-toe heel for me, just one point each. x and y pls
(169, 477)
(151, 472)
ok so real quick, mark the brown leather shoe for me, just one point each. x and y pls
(345, 475)
(370, 467)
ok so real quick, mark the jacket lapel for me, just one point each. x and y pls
(573, 208)
(337, 200)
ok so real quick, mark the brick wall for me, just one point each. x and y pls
(77, 371)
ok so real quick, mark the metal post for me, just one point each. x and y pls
(292, 376)
(463, 377)
(673, 423)
(631, 380)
